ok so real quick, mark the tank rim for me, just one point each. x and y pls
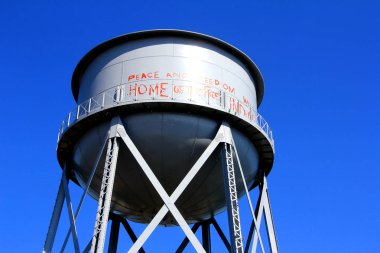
(93, 53)
(73, 133)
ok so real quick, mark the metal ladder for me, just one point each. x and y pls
(105, 196)
(233, 199)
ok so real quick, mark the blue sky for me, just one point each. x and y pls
(320, 62)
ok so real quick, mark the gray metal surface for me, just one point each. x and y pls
(172, 89)
(159, 43)
(178, 98)
(158, 62)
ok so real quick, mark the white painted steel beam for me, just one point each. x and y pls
(70, 211)
(169, 203)
(221, 136)
(105, 195)
(263, 206)
(54, 221)
(248, 196)
(85, 191)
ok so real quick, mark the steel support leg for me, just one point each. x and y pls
(221, 234)
(70, 211)
(127, 227)
(263, 207)
(206, 238)
(254, 221)
(114, 237)
(54, 221)
(249, 238)
(85, 191)
(105, 196)
(131, 234)
(232, 199)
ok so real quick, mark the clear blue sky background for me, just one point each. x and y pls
(320, 62)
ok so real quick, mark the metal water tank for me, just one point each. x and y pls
(172, 89)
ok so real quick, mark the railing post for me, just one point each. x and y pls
(78, 108)
(68, 119)
(136, 92)
(208, 96)
(172, 90)
(220, 99)
(121, 94)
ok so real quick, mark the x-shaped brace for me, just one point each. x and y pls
(223, 135)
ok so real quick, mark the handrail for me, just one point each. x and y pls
(131, 93)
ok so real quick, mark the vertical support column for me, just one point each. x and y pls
(54, 221)
(114, 237)
(231, 199)
(105, 195)
(206, 239)
(221, 234)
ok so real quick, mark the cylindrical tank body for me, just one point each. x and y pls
(177, 79)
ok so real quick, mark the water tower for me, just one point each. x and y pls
(166, 132)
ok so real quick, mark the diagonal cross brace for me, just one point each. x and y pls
(170, 200)
(54, 221)
(254, 221)
(85, 191)
(169, 203)
(70, 211)
(263, 206)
